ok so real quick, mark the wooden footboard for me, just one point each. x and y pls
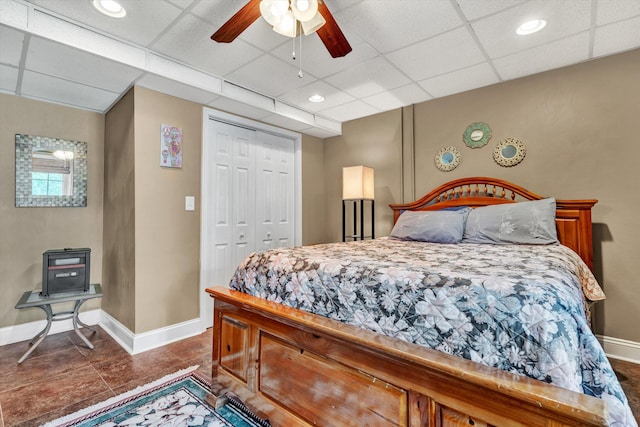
(296, 368)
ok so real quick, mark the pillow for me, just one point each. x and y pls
(431, 226)
(531, 223)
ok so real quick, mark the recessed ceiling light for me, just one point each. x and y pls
(531, 27)
(316, 98)
(110, 8)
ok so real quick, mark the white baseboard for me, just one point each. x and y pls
(132, 343)
(26, 331)
(617, 348)
(138, 343)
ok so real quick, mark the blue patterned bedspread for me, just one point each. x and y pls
(520, 308)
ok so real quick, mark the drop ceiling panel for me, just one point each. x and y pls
(61, 91)
(10, 46)
(474, 9)
(404, 51)
(399, 23)
(397, 98)
(459, 81)
(202, 52)
(270, 75)
(609, 11)
(617, 37)
(369, 78)
(349, 111)
(174, 88)
(144, 22)
(497, 33)
(8, 79)
(445, 53)
(54, 59)
(333, 96)
(317, 60)
(217, 12)
(552, 55)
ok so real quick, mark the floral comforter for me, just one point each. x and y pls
(520, 308)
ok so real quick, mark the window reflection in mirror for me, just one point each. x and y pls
(50, 172)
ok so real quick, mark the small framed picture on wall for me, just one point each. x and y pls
(170, 146)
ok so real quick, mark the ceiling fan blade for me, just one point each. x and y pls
(331, 34)
(238, 23)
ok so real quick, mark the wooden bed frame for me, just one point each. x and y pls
(296, 368)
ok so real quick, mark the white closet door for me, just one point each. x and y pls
(230, 209)
(250, 197)
(275, 223)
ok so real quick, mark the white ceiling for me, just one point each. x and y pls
(404, 52)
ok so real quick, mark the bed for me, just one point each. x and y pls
(477, 326)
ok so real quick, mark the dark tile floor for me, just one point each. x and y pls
(63, 376)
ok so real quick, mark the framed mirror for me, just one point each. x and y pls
(509, 152)
(477, 135)
(50, 172)
(447, 159)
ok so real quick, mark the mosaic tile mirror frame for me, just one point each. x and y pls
(50, 172)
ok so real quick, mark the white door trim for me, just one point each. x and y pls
(205, 178)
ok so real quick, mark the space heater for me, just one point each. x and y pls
(65, 270)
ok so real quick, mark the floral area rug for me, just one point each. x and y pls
(180, 399)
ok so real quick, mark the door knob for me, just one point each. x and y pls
(269, 235)
(242, 235)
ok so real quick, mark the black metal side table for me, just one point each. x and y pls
(35, 299)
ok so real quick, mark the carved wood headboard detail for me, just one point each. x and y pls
(573, 217)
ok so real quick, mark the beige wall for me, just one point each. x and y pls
(579, 126)
(119, 213)
(374, 141)
(25, 233)
(167, 238)
(313, 204)
(151, 244)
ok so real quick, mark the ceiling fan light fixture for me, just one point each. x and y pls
(273, 10)
(313, 25)
(110, 8)
(530, 27)
(304, 10)
(287, 26)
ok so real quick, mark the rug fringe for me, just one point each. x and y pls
(116, 399)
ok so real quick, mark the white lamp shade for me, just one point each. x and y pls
(304, 10)
(357, 183)
(273, 10)
(287, 26)
(313, 24)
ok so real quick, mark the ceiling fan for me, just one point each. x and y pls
(322, 22)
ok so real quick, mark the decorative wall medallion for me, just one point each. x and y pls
(477, 135)
(509, 152)
(447, 159)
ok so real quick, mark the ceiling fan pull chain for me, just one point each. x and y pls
(293, 51)
(300, 74)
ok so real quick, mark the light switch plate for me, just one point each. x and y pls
(189, 203)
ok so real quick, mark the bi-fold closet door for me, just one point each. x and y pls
(248, 197)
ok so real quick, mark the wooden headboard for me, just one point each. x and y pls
(573, 217)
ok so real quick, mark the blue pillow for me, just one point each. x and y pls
(431, 226)
(531, 223)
